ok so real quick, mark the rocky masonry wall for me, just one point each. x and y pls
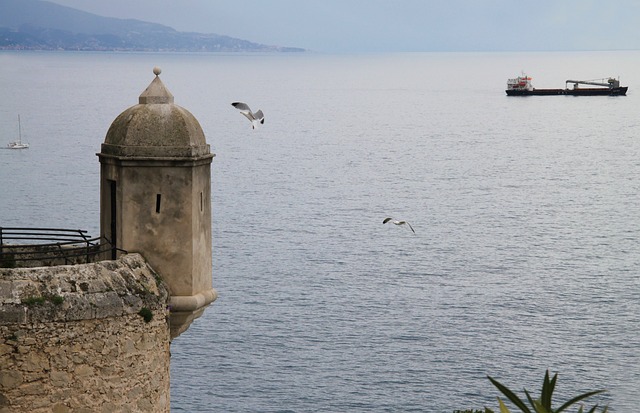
(84, 338)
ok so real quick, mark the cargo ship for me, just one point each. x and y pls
(521, 86)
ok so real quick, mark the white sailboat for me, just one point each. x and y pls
(18, 144)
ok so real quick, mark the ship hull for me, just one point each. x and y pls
(616, 91)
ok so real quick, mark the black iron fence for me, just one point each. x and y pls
(35, 247)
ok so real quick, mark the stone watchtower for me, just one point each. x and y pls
(155, 197)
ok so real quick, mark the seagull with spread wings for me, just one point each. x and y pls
(254, 118)
(393, 221)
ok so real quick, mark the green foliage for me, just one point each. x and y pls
(57, 299)
(31, 301)
(542, 404)
(146, 314)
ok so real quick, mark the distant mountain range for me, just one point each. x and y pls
(42, 25)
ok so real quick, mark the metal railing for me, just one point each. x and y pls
(26, 247)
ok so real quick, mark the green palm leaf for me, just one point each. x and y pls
(503, 408)
(544, 403)
(577, 399)
(593, 409)
(531, 401)
(537, 404)
(548, 386)
(510, 395)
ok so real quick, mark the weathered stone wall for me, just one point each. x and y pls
(84, 338)
(25, 256)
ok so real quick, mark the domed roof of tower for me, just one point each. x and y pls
(155, 127)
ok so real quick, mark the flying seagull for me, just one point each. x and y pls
(254, 118)
(398, 223)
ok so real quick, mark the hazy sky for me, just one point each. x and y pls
(396, 25)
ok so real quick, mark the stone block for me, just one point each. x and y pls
(78, 308)
(134, 393)
(60, 408)
(6, 291)
(132, 303)
(4, 402)
(5, 349)
(59, 360)
(12, 314)
(84, 371)
(107, 304)
(35, 361)
(25, 288)
(31, 389)
(145, 404)
(10, 379)
(60, 378)
(108, 408)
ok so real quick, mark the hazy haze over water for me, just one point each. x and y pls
(355, 26)
(525, 255)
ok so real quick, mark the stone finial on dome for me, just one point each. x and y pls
(156, 92)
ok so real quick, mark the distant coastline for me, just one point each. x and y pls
(41, 25)
(43, 39)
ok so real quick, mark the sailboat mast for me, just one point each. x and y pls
(19, 130)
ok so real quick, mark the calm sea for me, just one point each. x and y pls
(526, 212)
